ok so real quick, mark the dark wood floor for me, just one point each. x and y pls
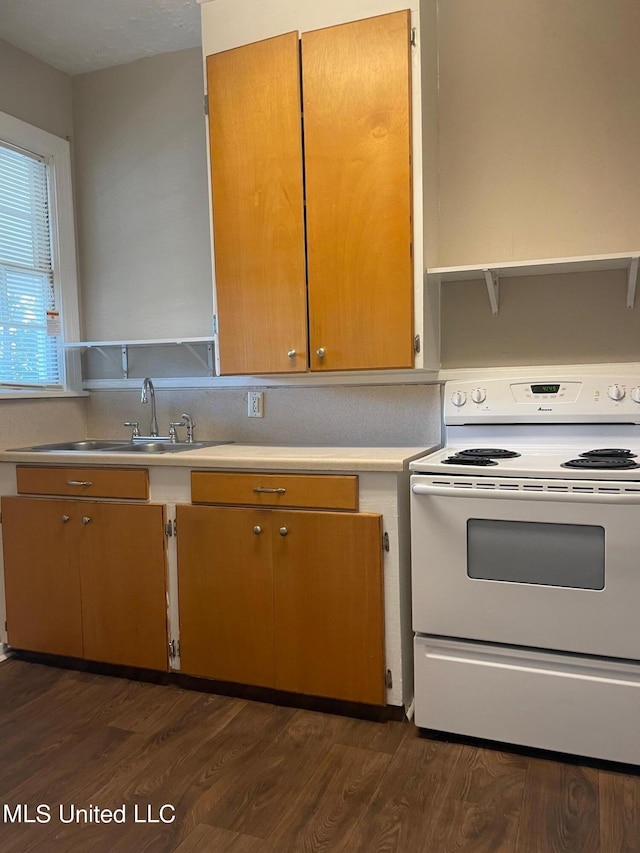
(247, 777)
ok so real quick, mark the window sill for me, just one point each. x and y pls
(38, 394)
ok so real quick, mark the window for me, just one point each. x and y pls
(38, 289)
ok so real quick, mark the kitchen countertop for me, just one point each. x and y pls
(227, 456)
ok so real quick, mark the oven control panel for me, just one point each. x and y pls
(577, 399)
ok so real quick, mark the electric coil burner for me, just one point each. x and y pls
(488, 452)
(616, 452)
(601, 463)
(525, 576)
(472, 461)
(601, 459)
(479, 456)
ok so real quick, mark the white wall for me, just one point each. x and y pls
(539, 140)
(231, 23)
(34, 91)
(539, 129)
(142, 207)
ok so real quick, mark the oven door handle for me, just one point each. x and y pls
(522, 495)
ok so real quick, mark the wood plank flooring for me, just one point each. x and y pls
(248, 777)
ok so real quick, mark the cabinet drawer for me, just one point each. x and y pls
(84, 482)
(322, 491)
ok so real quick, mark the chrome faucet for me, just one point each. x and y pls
(147, 387)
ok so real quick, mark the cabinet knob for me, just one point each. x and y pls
(86, 519)
(257, 530)
(321, 352)
(292, 353)
(283, 531)
(65, 518)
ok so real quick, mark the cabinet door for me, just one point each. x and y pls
(123, 579)
(42, 583)
(225, 589)
(329, 613)
(256, 175)
(357, 132)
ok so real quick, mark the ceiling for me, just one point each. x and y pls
(77, 36)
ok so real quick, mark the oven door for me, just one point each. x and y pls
(544, 564)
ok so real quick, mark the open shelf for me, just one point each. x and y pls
(492, 273)
(105, 347)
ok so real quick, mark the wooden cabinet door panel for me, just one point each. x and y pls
(225, 588)
(258, 214)
(42, 582)
(123, 579)
(357, 133)
(329, 611)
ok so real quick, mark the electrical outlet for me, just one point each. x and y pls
(255, 404)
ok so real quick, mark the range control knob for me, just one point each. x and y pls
(459, 398)
(615, 392)
(635, 394)
(478, 395)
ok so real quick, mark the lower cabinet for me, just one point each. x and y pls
(86, 579)
(291, 600)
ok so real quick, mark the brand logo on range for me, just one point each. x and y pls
(545, 409)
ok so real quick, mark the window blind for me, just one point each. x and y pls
(29, 342)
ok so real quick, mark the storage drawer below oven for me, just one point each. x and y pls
(588, 707)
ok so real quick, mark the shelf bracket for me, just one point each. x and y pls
(633, 282)
(209, 362)
(493, 289)
(124, 359)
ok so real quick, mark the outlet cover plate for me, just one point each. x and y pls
(255, 404)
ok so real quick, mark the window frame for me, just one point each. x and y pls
(57, 152)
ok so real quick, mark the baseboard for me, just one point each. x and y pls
(382, 713)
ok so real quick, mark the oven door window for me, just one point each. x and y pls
(567, 555)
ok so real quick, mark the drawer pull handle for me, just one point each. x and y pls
(79, 483)
(257, 530)
(65, 518)
(283, 531)
(86, 519)
(263, 490)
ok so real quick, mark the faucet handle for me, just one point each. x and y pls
(190, 423)
(173, 435)
(136, 428)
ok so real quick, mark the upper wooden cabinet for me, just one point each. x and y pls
(258, 206)
(357, 121)
(313, 241)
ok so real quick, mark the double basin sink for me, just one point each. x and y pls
(151, 445)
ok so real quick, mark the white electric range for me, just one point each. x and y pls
(526, 566)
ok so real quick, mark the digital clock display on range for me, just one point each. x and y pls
(545, 389)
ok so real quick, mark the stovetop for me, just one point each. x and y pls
(566, 427)
(542, 461)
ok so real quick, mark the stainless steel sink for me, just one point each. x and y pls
(88, 445)
(166, 446)
(120, 446)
